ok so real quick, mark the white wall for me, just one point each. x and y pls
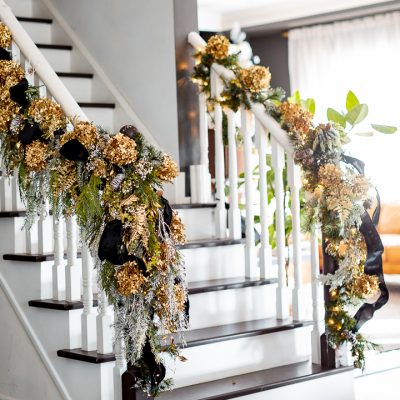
(134, 43)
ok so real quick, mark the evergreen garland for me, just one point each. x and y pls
(112, 183)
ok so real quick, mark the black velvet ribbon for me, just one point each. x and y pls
(373, 263)
(29, 133)
(18, 93)
(167, 211)
(74, 150)
(4, 54)
(157, 370)
(110, 246)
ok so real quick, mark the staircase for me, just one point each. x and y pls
(244, 341)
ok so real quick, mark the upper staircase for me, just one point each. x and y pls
(250, 333)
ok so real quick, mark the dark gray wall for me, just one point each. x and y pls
(273, 52)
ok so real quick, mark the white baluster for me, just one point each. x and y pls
(317, 302)
(265, 250)
(31, 238)
(2, 188)
(251, 270)
(72, 271)
(282, 295)
(29, 73)
(104, 325)
(88, 318)
(220, 212)
(203, 130)
(235, 228)
(17, 204)
(58, 267)
(294, 180)
(45, 228)
(120, 366)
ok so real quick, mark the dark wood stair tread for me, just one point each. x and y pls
(86, 75)
(33, 257)
(54, 46)
(38, 20)
(194, 244)
(184, 206)
(254, 382)
(12, 214)
(226, 284)
(238, 330)
(97, 105)
(87, 356)
(61, 305)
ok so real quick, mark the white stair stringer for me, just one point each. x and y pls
(222, 359)
(57, 330)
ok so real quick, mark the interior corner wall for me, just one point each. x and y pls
(272, 49)
(134, 43)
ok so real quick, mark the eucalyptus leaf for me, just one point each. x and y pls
(365, 134)
(335, 116)
(384, 128)
(351, 101)
(357, 114)
(310, 105)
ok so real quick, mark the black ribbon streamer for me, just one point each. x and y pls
(373, 263)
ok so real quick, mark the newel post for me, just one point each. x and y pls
(328, 355)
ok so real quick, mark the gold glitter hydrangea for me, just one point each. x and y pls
(11, 73)
(363, 286)
(83, 131)
(295, 117)
(8, 111)
(218, 47)
(177, 229)
(98, 167)
(36, 155)
(121, 150)
(129, 279)
(255, 78)
(48, 114)
(168, 169)
(5, 35)
(330, 175)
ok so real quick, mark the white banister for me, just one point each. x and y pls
(40, 64)
(88, 317)
(58, 267)
(294, 179)
(235, 229)
(317, 302)
(265, 248)
(220, 212)
(104, 324)
(251, 270)
(278, 163)
(72, 270)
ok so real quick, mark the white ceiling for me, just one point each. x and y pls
(218, 15)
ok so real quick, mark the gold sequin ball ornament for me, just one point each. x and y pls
(48, 114)
(168, 169)
(121, 150)
(255, 78)
(36, 155)
(129, 279)
(295, 117)
(5, 35)
(218, 47)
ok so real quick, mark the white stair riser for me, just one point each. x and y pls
(15, 239)
(219, 262)
(28, 8)
(60, 60)
(80, 88)
(199, 222)
(239, 356)
(101, 116)
(314, 389)
(230, 306)
(38, 31)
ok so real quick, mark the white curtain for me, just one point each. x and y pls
(361, 55)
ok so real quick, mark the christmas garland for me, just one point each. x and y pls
(337, 192)
(112, 183)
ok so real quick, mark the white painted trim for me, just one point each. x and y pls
(34, 339)
(101, 74)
